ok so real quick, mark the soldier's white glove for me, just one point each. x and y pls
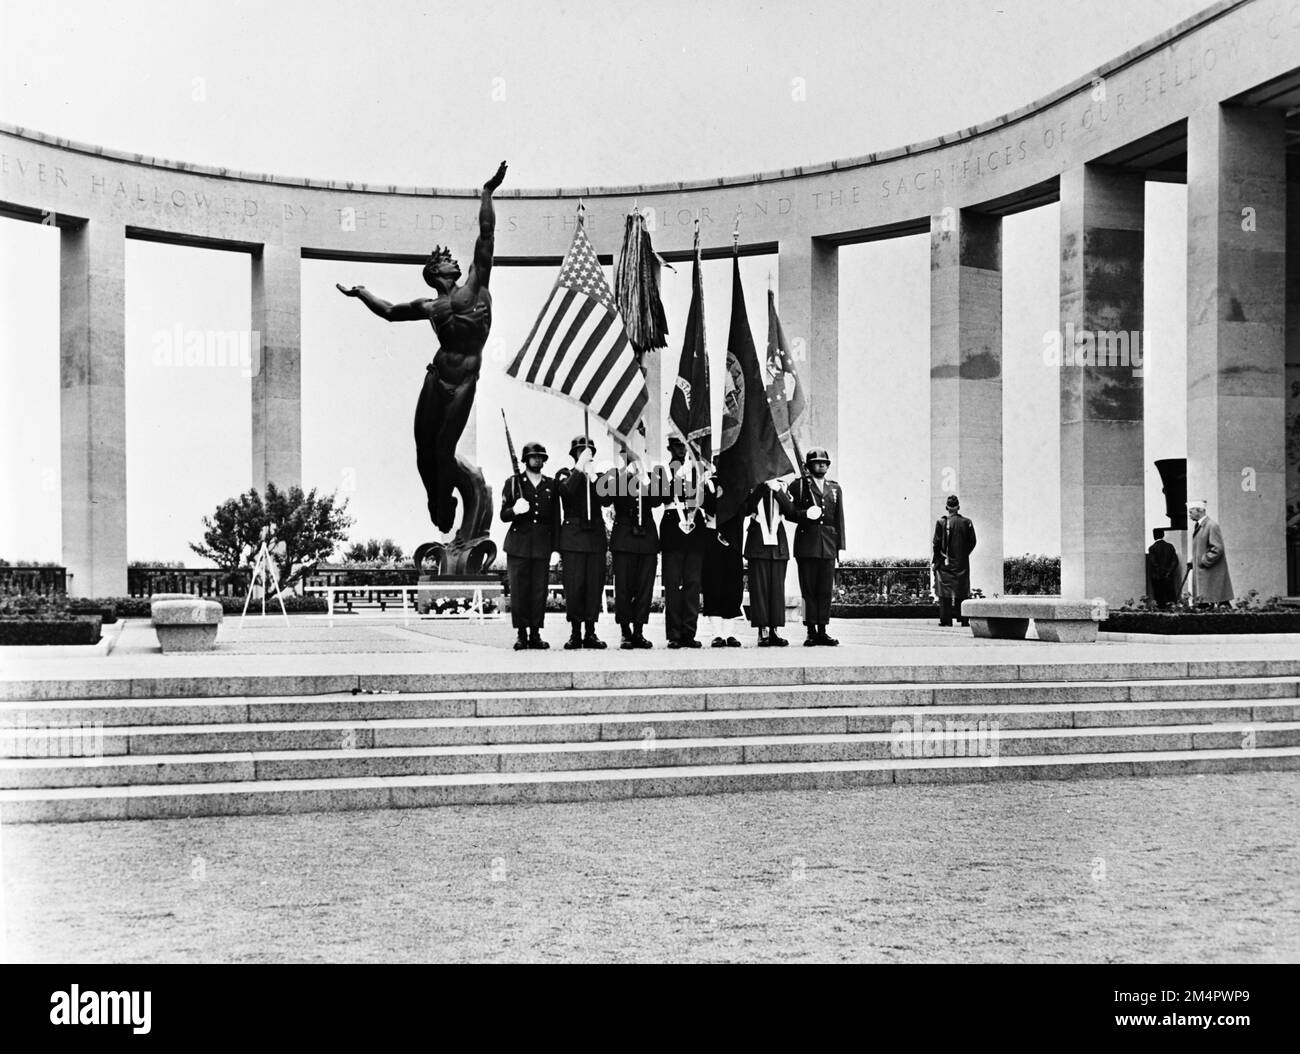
(774, 484)
(584, 459)
(555, 559)
(815, 512)
(520, 507)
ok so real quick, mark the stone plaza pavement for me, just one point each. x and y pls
(308, 646)
(1162, 869)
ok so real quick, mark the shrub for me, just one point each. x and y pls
(301, 529)
(82, 629)
(1032, 575)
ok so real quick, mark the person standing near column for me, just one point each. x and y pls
(954, 540)
(1210, 581)
(818, 509)
(583, 544)
(768, 552)
(1162, 570)
(634, 543)
(682, 539)
(528, 504)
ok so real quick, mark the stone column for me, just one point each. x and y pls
(277, 375)
(809, 304)
(1293, 380)
(1103, 536)
(653, 361)
(1236, 335)
(966, 380)
(92, 406)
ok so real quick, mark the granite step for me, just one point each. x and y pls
(619, 671)
(993, 744)
(417, 791)
(58, 739)
(487, 703)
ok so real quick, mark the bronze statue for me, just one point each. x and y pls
(461, 316)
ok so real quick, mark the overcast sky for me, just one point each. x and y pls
(572, 94)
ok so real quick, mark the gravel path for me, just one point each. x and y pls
(1181, 869)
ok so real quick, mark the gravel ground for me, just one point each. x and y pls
(1177, 869)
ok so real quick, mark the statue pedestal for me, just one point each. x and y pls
(471, 551)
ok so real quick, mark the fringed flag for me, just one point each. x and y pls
(636, 288)
(579, 348)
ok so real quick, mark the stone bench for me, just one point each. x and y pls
(185, 623)
(1055, 618)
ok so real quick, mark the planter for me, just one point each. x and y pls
(1182, 622)
(80, 629)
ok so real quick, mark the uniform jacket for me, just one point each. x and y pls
(625, 491)
(1211, 582)
(678, 489)
(763, 501)
(534, 533)
(823, 537)
(580, 533)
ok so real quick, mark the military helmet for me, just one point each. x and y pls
(817, 454)
(580, 443)
(534, 450)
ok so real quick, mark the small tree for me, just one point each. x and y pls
(302, 529)
(374, 550)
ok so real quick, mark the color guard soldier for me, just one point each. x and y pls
(768, 552)
(683, 540)
(583, 543)
(528, 504)
(634, 543)
(819, 512)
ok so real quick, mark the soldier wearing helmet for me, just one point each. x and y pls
(818, 511)
(528, 504)
(582, 543)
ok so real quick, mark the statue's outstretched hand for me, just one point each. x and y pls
(496, 180)
(354, 291)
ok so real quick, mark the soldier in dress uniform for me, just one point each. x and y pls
(954, 539)
(634, 543)
(528, 504)
(682, 539)
(819, 512)
(767, 551)
(583, 543)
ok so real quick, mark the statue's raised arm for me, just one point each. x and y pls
(480, 271)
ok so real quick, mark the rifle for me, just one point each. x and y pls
(803, 468)
(514, 459)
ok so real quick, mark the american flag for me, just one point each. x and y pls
(579, 349)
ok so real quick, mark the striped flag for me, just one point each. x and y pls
(784, 392)
(579, 349)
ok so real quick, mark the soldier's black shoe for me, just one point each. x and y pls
(592, 641)
(811, 640)
(536, 643)
(691, 642)
(674, 644)
(733, 643)
(574, 642)
(776, 642)
(764, 642)
(522, 643)
(627, 644)
(718, 642)
(826, 640)
(639, 641)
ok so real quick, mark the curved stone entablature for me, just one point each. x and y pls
(1225, 51)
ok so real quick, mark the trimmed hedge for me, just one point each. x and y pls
(138, 607)
(81, 629)
(918, 611)
(1181, 622)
